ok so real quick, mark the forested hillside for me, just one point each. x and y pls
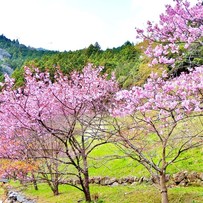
(127, 60)
(13, 54)
(123, 60)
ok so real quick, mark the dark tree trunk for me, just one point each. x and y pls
(56, 190)
(86, 180)
(87, 188)
(34, 181)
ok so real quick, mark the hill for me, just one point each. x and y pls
(127, 61)
(13, 54)
(124, 60)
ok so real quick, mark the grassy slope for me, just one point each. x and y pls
(103, 165)
(118, 194)
(190, 161)
(125, 194)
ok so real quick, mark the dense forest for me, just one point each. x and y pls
(123, 60)
(128, 61)
(19, 53)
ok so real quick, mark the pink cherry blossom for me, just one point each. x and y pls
(180, 24)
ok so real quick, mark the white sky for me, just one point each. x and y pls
(75, 24)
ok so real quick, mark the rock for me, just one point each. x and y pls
(12, 195)
(70, 181)
(91, 181)
(155, 179)
(114, 184)
(180, 177)
(130, 179)
(20, 198)
(141, 179)
(77, 182)
(145, 180)
(127, 180)
(200, 176)
(104, 180)
(112, 180)
(96, 180)
(134, 183)
(119, 181)
(192, 177)
(16, 197)
(74, 182)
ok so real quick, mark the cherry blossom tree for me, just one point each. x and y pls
(69, 110)
(161, 120)
(13, 160)
(46, 151)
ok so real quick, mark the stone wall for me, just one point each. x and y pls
(183, 178)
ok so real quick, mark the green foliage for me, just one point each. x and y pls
(19, 52)
(127, 61)
(123, 60)
(143, 70)
(192, 57)
(93, 49)
(18, 73)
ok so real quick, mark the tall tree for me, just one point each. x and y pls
(162, 114)
(71, 110)
(163, 120)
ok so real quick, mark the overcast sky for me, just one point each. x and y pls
(75, 24)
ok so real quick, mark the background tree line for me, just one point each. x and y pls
(128, 61)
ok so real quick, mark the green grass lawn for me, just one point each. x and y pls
(101, 163)
(100, 166)
(117, 194)
(142, 193)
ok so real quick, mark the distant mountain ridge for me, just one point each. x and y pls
(13, 54)
(127, 61)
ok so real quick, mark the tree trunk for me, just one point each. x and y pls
(86, 180)
(34, 181)
(35, 184)
(164, 192)
(87, 188)
(54, 187)
(56, 190)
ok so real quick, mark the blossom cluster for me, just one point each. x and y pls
(180, 96)
(39, 107)
(180, 26)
